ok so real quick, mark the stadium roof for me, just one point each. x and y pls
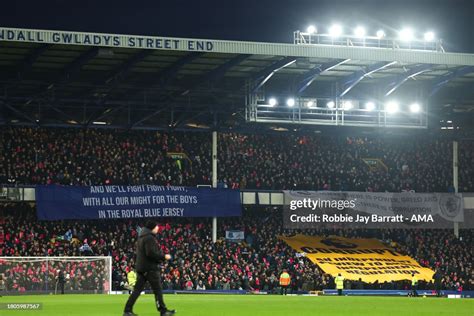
(60, 78)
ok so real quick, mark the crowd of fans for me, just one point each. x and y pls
(54, 275)
(466, 169)
(92, 157)
(254, 264)
(336, 163)
(245, 161)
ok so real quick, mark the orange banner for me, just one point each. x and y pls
(367, 259)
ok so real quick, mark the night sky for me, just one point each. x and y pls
(257, 20)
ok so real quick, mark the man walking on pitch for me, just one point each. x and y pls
(339, 280)
(148, 258)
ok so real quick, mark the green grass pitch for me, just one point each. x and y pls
(230, 305)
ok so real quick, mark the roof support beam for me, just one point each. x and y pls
(122, 70)
(79, 103)
(75, 66)
(28, 62)
(64, 114)
(136, 123)
(104, 114)
(117, 76)
(263, 76)
(162, 78)
(165, 76)
(25, 66)
(214, 75)
(357, 77)
(443, 80)
(184, 121)
(401, 79)
(218, 72)
(314, 73)
(170, 72)
(71, 69)
(20, 113)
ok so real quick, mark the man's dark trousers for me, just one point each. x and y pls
(154, 278)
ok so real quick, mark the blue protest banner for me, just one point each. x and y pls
(137, 201)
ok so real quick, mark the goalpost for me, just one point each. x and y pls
(50, 275)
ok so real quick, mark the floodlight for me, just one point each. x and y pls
(347, 105)
(415, 108)
(380, 34)
(290, 102)
(331, 104)
(335, 30)
(309, 104)
(391, 107)
(370, 106)
(359, 31)
(429, 36)
(272, 102)
(406, 34)
(311, 29)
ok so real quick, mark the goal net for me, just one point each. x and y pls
(55, 275)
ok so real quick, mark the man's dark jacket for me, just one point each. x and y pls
(148, 252)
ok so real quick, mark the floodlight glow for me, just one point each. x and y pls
(331, 104)
(359, 31)
(429, 36)
(380, 34)
(335, 30)
(370, 106)
(290, 102)
(347, 105)
(311, 29)
(391, 107)
(309, 104)
(272, 102)
(415, 108)
(406, 34)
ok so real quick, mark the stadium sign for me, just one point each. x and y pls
(108, 40)
(56, 202)
(367, 259)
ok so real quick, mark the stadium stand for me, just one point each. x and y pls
(253, 265)
(246, 161)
